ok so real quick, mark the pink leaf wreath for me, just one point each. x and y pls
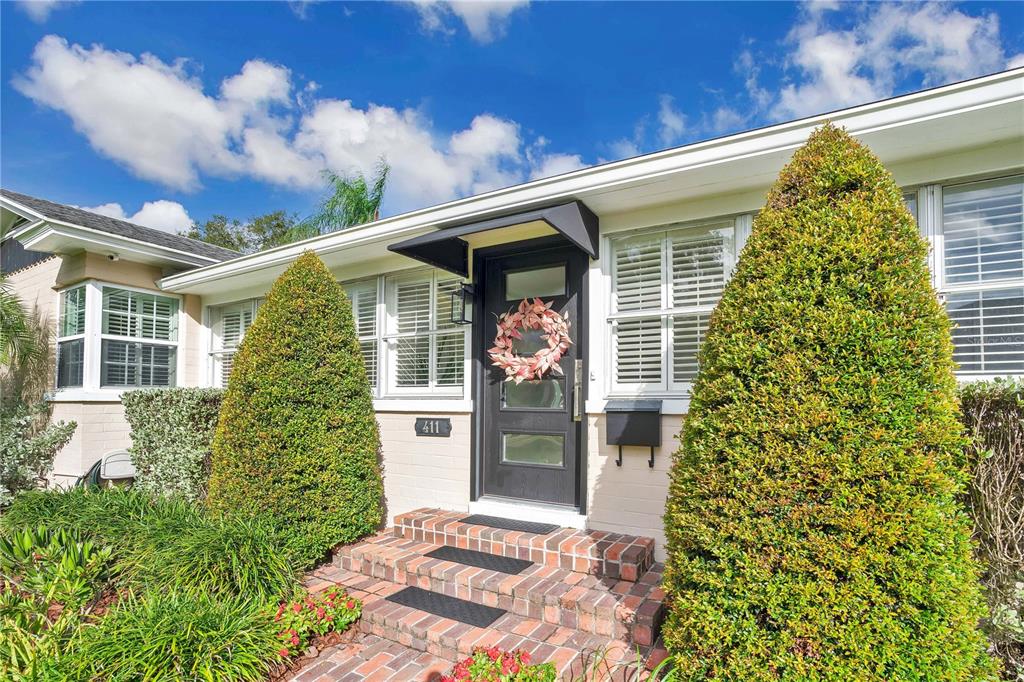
(528, 316)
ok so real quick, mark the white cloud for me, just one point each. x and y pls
(544, 164)
(486, 20)
(834, 67)
(1016, 61)
(157, 120)
(163, 215)
(671, 121)
(39, 10)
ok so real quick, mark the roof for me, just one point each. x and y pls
(968, 127)
(50, 210)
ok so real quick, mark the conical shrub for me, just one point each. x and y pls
(297, 437)
(813, 527)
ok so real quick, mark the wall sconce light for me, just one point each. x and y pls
(462, 304)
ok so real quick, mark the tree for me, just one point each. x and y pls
(18, 343)
(352, 201)
(813, 525)
(297, 436)
(260, 233)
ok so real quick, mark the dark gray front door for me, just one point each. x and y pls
(530, 440)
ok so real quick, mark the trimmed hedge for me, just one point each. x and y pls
(993, 412)
(297, 436)
(813, 521)
(172, 429)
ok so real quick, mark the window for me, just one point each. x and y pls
(981, 273)
(139, 337)
(665, 285)
(229, 322)
(71, 339)
(363, 296)
(910, 201)
(426, 349)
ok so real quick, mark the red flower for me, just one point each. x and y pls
(447, 678)
(350, 604)
(296, 607)
(320, 612)
(514, 669)
(493, 653)
(524, 656)
(283, 653)
(295, 640)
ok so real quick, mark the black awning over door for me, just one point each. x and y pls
(447, 250)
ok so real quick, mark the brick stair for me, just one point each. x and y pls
(590, 603)
(611, 608)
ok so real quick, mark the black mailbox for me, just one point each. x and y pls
(634, 422)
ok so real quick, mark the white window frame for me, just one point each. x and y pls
(91, 388)
(217, 351)
(377, 338)
(61, 338)
(666, 387)
(391, 336)
(931, 224)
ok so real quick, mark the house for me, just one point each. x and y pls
(633, 253)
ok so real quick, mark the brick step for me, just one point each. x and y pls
(599, 553)
(627, 611)
(577, 655)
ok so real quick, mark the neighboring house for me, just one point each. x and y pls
(96, 280)
(635, 252)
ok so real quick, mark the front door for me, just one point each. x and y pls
(531, 440)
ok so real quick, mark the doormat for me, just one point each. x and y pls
(447, 607)
(510, 524)
(490, 562)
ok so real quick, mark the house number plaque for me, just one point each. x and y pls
(434, 426)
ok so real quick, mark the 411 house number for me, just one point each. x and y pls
(433, 426)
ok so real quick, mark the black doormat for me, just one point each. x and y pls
(490, 562)
(510, 524)
(447, 607)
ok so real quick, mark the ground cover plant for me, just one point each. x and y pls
(297, 437)
(172, 429)
(126, 586)
(993, 413)
(814, 525)
(497, 665)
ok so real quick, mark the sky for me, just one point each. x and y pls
(166, 113)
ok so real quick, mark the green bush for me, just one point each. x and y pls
(166, 636)
(166, 543)
(28, 445)
(297, 437)
(993, 412)
(171, 433)
(813, 521)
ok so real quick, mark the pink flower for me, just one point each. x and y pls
(283, 653)
(350, 604)
(296, 607)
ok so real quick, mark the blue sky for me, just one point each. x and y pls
(166, 112)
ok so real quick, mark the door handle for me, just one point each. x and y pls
(577, 391)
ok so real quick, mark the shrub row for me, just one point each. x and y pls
(171, 433)
(993, 413)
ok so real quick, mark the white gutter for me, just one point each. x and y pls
(978, 93)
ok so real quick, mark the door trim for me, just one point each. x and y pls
(478, 367)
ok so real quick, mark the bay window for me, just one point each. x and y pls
(114, 337)
(71, 339)
(139, 339)
(665, 284)
(426, 349)
(980, 273)
(229, 323)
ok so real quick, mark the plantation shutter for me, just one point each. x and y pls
(234, 321)
(72, 314)
(698, 279)
(412, 313)
(449, 351)
(137, 315)
(364, 310)
(983, 232)
(638, 286)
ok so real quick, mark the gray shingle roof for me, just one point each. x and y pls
(121, 228)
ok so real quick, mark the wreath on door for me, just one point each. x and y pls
(528, 316)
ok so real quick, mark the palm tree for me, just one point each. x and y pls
(353, 200)
(18, 341)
